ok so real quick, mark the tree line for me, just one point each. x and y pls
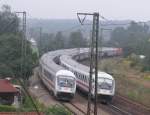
(10, 47)
(49, 42)
(135, 39)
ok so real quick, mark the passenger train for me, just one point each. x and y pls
(106, 83)
(61, 73)
(61, 82)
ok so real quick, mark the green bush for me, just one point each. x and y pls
(28, 105)
(57, 110)
(134, 60)
(6, 108)
(145, 68)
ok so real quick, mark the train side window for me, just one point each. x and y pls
(81, 76)
(48, 75)
(84, 78)
(78, 75)
(74, 73)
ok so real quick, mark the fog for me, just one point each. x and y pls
(63, 9)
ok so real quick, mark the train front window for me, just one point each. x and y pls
(66, 82)
(105, 83)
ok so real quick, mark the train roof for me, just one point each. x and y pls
(75, 65)
(48, 58)
(65, 72)
(105, 75)
(67, 56)
(81, 68)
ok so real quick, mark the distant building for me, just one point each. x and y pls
(7, 92)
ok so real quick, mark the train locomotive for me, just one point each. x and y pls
(106, 82)
(61, 82)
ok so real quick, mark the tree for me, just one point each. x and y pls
(11, 45)
(45, 43)
(59, 41)
(76, 39)
(9, 22)
(10, 59)
(49, 42)
(132, 40)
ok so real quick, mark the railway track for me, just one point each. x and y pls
(121, 111)
(124, 106)
(127, 106)
(120, 108)
(139, 105)
(73, 108)
(133, 107)
(78, 106)
(110, 108)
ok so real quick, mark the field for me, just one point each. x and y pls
(130, 82)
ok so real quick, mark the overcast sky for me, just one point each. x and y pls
(138, 10)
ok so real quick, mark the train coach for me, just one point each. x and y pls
(102, 52)
(111, 52)
(61, 82)
(106, 83)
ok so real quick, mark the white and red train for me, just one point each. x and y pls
(61, 82)
(62, 65)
